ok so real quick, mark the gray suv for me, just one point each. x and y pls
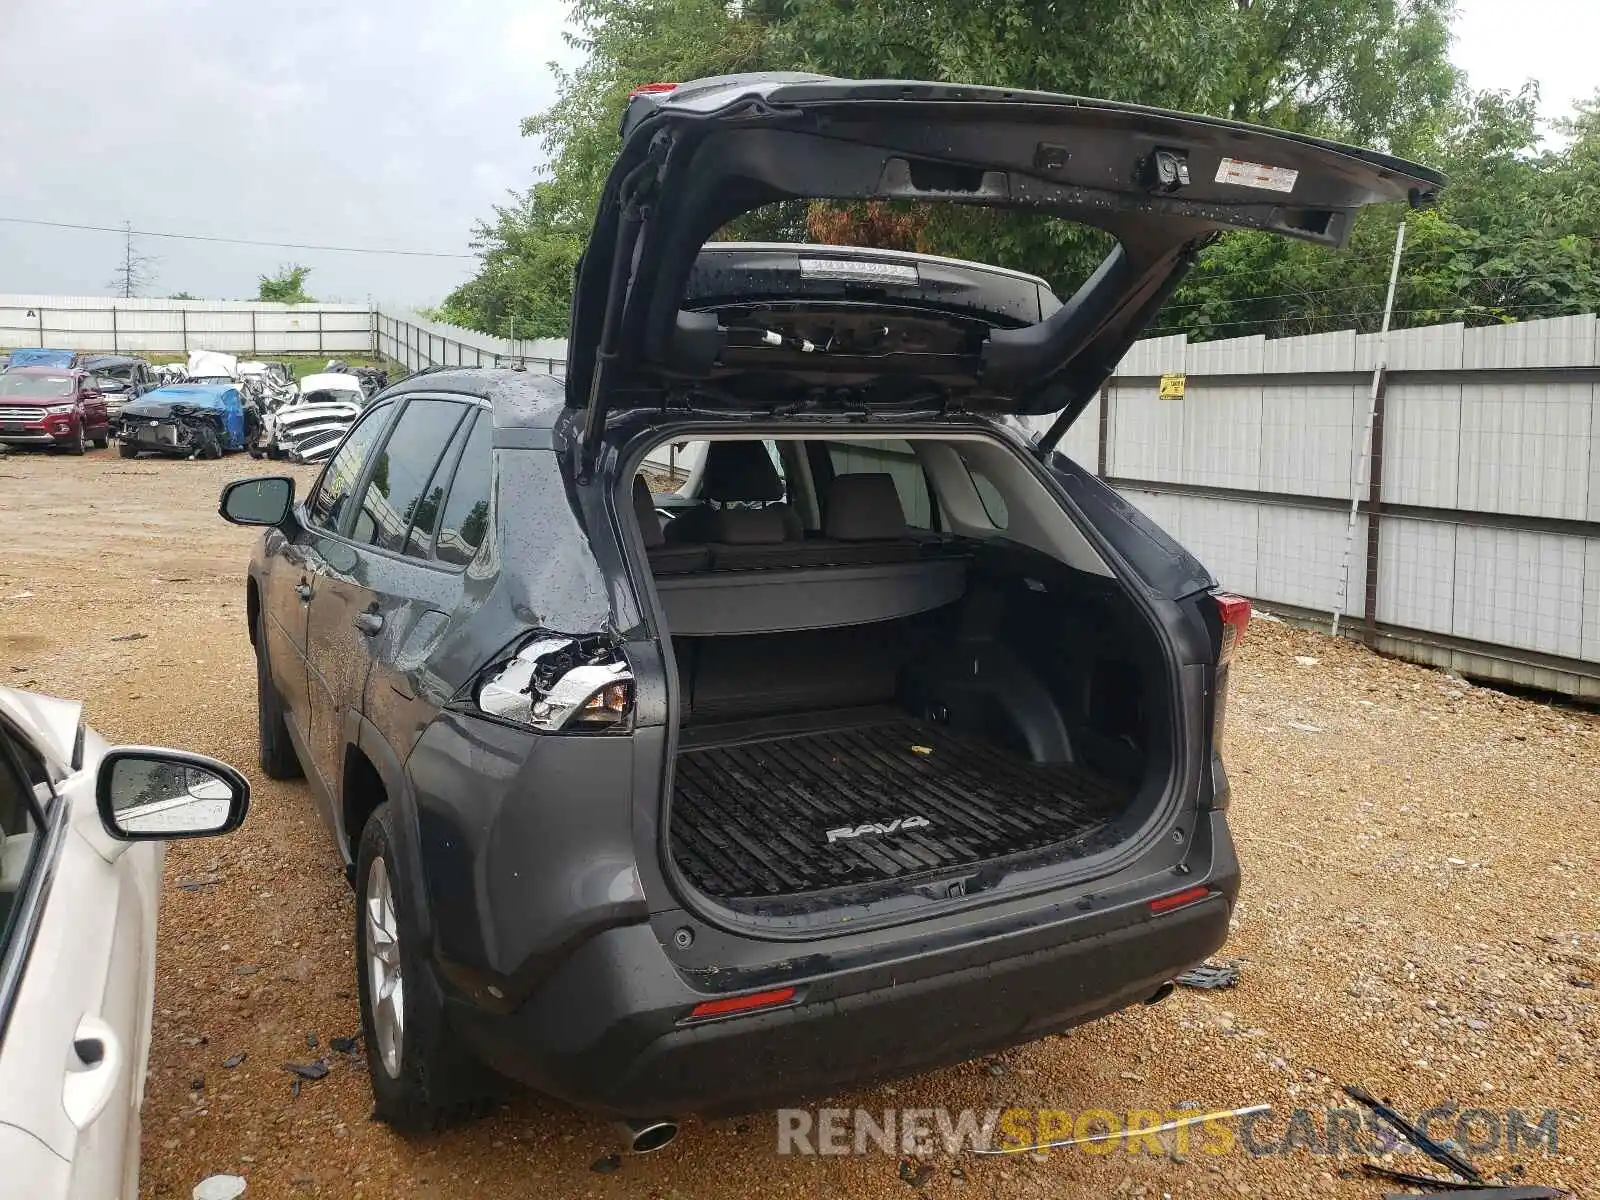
(882, 736)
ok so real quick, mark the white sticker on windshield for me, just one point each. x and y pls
(1256, 175)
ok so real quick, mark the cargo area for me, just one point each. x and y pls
(893, 797)
(871, 697)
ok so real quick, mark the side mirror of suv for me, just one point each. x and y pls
(266, 501)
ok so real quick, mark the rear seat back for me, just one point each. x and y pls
(735, 473)
(664, 559)
(865, 525)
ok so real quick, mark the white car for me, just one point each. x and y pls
(81, 827)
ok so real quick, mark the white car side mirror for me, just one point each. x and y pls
(149, 794)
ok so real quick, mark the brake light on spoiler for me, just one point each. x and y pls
(652, 89)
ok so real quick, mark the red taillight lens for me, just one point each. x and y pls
(739, 1004)
(1178, 899)
(1235, 613)
(652, 89)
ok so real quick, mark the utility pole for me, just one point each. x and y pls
(134, 274)
(127, 260)
(1359, 468)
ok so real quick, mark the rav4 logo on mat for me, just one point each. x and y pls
(899, 824)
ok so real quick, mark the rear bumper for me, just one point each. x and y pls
(606, 1030)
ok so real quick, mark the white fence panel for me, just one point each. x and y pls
(98, 324)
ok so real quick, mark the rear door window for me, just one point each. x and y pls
(465, 519)
(402, 474)
(330, 502)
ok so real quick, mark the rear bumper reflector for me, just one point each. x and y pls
(1178, 899)
(738, 1004)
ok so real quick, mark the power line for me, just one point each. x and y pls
(197, 237)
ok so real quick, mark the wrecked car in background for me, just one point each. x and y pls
(307, 427)
(187, 420)
(373, 379)
(119, 378)
(211, 366)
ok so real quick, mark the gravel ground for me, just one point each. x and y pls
(1419, 914)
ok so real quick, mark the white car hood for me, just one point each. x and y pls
(332, 381)
(212, 364)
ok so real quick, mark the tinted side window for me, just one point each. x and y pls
(425, 521)
(398, 488)
(466, 513)
(332, 497)
(899, 460)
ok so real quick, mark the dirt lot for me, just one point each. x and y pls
(1420, 915)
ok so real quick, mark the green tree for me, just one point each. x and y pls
(1514, 236)
(288, 286)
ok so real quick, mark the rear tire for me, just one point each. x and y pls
(422, 1078)
(278, 759)
(102, 439)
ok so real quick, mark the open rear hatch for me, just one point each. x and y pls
(1160, 183)
(929, 713)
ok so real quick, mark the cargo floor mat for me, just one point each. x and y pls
(798, 813)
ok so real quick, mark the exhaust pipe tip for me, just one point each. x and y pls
(645, 1136)
(1161, 993)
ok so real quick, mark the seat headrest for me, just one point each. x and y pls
(864, 508)
(644, 508)
(747, 527)
(740, 472)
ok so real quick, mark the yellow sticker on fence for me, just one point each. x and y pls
(1172, 387)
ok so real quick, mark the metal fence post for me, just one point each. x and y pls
(114, 329)
(183, 324)
(253, 333)
(320, 350)
(41, 328)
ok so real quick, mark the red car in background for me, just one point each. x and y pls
(52, 406)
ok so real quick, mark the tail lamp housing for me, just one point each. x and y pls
(1234, 612)
(555, 683)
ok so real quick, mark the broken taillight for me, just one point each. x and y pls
(1235, 614)
(652, 89)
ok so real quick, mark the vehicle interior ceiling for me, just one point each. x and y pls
(898, 627)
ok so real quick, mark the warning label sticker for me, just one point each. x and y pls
(1256, 175)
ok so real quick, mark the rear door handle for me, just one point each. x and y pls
(369, 623)
(303, 590)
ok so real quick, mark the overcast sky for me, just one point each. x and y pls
(374, 123)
